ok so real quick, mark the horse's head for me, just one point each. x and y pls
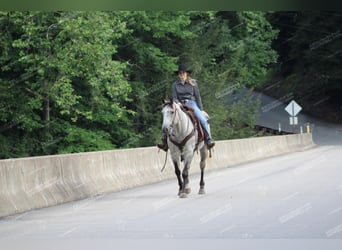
(170, 116)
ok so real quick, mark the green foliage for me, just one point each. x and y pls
(241, 117)
(74, 81)
(67, 75)
(230, 51)
(84, 140)
(151, 53)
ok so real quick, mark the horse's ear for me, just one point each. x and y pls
(164, 101)
(172, 103)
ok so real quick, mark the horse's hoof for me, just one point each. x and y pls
(201, 191)
(187, 190)
(183, 195)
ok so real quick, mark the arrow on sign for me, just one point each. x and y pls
(293, 108)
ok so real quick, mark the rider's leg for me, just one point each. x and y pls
(203, 121)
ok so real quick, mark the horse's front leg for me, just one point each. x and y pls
(178, 174)
(185, 175)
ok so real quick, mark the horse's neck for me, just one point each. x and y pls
(184, 126)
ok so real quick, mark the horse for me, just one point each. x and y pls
(182, 139)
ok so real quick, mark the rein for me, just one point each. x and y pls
(164, 163)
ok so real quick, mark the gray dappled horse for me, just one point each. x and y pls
(183, 142)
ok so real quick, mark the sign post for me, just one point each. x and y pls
(293, 109)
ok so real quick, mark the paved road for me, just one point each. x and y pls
(298, 195)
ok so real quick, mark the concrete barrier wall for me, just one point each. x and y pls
(37, 182)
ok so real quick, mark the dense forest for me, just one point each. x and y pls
(83, 81)
(309, 62)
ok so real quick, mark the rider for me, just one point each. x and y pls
(185, 92)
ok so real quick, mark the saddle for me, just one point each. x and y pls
(200, 132)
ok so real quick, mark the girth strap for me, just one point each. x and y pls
(181, 144)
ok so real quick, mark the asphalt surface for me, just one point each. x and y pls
(298, 195)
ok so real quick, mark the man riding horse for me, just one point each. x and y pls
(186, 93)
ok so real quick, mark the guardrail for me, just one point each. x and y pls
(37, 182)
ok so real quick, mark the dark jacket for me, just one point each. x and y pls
(186, 91)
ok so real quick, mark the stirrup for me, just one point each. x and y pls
(211, 144)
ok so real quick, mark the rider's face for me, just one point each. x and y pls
(182, 75)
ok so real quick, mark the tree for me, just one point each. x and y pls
(149, 50)
(76, 81)
(67, 78)
(231, 51)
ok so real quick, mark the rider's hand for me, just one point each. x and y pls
(205, 114)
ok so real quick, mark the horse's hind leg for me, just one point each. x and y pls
(201, 190)
(204, 154)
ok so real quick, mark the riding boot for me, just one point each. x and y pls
(163, 145)
(210, 143)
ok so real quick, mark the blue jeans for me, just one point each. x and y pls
(200, 116)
